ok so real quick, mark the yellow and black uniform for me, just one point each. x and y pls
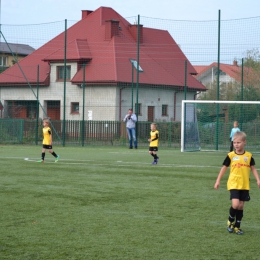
(154, 142)
(238, 184)
(46, 136)
(155, 138)
(240, 167)
(47, 144)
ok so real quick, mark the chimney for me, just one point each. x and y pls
(134, 29)
(235, 63)
(111, 29)
(85, 13)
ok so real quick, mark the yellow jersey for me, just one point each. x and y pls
(155, 138)
(240, 167)
(46, 136)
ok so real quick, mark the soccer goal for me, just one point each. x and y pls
(206, 124)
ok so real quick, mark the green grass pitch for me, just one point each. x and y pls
(112, 203)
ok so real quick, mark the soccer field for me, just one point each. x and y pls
(112, 203)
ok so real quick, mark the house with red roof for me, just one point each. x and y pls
(97, 69)
(229, 74)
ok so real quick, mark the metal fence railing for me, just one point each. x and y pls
(79, 133)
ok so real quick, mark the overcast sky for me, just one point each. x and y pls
(18, 12)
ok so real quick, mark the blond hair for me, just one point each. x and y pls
(46, 120)
(240, 134)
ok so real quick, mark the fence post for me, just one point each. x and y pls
(64, 91)
(185, 80)
(217, 112)
(169, 133)
(37, 106)
(137, 74)
(21, 130)
(83, 106)
(242, 95)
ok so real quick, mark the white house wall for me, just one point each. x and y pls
(179, 98)
(155, 97)
(209, 77)
(101, 102)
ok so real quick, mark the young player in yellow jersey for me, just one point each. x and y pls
(154, 142)
(240, 162)
(47, 141)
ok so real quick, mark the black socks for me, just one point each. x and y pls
(235, 214)
(54, 154)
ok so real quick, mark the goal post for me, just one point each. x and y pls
(206, 124)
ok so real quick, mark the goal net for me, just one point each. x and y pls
(206, 125)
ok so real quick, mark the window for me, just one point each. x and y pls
(22, 109)
(60, 73)
(31, 109)
(164, 110)
(75, 108)
(138, 109)
(3, 61)
(220, 72)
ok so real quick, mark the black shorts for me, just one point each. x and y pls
(242, 195)
(45, 146)
(153, 148)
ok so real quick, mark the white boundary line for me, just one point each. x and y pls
(116, 163)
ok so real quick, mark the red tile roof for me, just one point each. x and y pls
(108, 58)
(234, 71)
(77, 50)
(200, 68)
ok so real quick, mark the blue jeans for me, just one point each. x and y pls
(131, 137)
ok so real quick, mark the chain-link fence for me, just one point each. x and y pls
(85, 75)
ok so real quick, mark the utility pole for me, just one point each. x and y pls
(0, 18)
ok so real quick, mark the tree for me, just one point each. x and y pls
(252, 59)
(235, 90)
(252, 69)
(227, 91)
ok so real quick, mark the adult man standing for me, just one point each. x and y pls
(130, 120)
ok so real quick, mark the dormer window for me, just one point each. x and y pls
(61, 73)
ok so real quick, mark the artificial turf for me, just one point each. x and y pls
(112, 203)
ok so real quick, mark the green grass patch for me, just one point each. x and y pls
(112, 203)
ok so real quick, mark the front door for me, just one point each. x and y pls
(150, 114)
(53, 110)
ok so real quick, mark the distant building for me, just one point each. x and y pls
(101, 49)
(8, 50)
(207, 75)
(230, 75)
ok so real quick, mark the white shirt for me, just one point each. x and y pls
(130, 122)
